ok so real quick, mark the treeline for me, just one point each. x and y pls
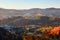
(6, 35)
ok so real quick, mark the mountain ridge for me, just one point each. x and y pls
(54, 12)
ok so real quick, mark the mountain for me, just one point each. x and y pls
(53, 12)
(21, 21)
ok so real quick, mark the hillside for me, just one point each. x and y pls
(4, 13)
(21, 21)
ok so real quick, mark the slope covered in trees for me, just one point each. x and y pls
(21, 21)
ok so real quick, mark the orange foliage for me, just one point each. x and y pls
(46, 31)
(55, 31)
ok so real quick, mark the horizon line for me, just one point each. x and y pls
(27, 8)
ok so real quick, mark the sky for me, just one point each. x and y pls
(27, 4)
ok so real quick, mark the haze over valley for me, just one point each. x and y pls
(51, 12)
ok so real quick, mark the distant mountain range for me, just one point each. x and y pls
(51, 12)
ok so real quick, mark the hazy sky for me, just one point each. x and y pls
(26, 4)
